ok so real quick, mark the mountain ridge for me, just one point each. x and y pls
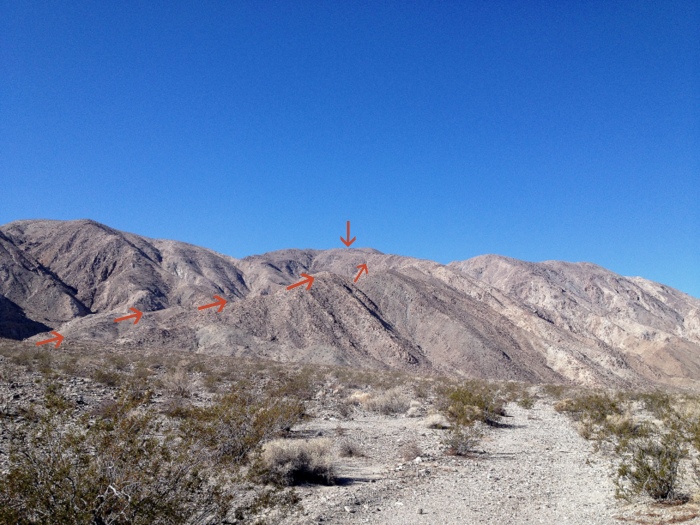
(490, 316)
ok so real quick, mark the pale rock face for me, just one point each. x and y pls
(490, 316)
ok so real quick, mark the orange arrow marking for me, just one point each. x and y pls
(58, 340)
(363, 268)
(220, 302)
(137, 314)
(308, 281)
(348, 241)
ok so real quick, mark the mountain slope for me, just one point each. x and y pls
(652, 322)
(489, 317)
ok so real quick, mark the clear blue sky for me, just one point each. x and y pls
(539, 130)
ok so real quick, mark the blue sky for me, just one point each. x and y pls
(443, 130)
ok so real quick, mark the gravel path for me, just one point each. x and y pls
(536, 469)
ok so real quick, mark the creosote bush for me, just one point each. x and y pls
(121, 468)
(462, 440)
(237, 423)
(650, 466)
(468, 407)
(647, 434)
(474, 401)
(128, 460)
(595, 407)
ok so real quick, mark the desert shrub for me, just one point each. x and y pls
(237, 423)
(70, 366)
(300, 384)
(474, 401)
(23, 358)
(467, 408)
(176, 408)
(177, 384)
(287, 462)
(107, 377)
(594, 407)
(349, 449)
(344, 409)
(422, 388)
(118, 362)
(110, 470)
(526, 400)
(437, 421)
(410, 451)
(657, 402)
(650, 466)
(604, 418)
(141, 371)
(211, 381)
(358, 398)
(390, 402)
(555, 391)
(34, 359)
(462, 439)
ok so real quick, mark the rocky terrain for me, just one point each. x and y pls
(489, 317)
(389, 459)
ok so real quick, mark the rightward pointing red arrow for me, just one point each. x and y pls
(308, 281)
(58, 340)
(137, 314)
(220, 302)
(363, 268)
(348, 241)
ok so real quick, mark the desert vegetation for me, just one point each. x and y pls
(93, 436)
(103, 438)
(652, 439)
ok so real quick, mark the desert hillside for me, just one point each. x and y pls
(489, 317)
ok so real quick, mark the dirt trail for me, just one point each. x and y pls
(536, 469)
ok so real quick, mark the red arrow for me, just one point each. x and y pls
(348, 241)
(137, 314)
(363, 268)
(220, 302)
(58, 340)
(308, 282)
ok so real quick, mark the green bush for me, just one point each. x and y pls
(237, 423)
(472, 402)
(593, 407)
(650, 466)
(111, 470)
(462, 440)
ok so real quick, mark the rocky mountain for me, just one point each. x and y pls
(490, 316)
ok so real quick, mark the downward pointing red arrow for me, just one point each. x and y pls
(348, 241)
(308, 281)
(363, 268)
(58, 340)
(220, 302)
(137, 314)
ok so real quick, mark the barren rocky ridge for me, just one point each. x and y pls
(490, 316)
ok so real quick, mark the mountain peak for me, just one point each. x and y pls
(490, 316)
